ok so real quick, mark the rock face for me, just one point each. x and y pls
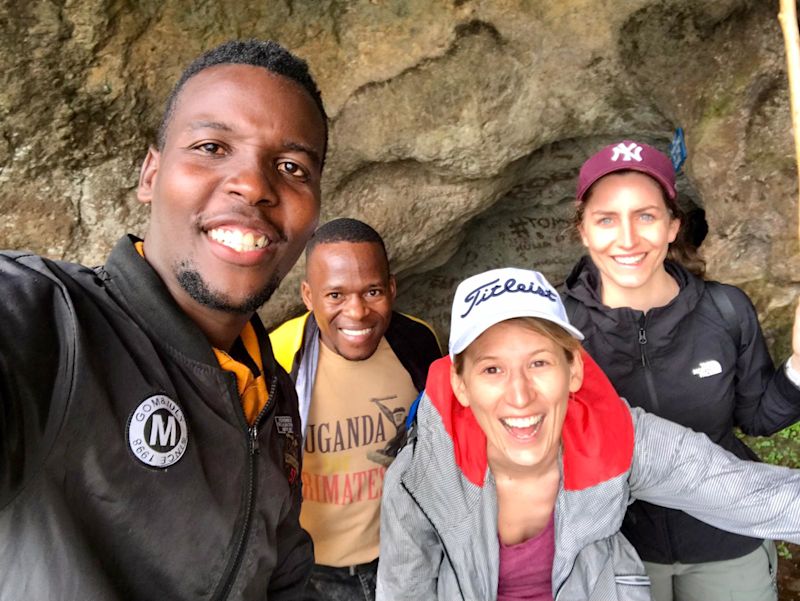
(457, 127)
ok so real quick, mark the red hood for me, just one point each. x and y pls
(597, 439)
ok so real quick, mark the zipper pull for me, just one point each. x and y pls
(642, 342)
(254, 450)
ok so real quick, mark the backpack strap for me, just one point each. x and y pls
(719, 298)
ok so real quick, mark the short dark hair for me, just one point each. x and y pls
(345, 229)
(266, 54)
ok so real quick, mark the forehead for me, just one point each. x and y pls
(347, 262)
(632, 184)
(509, 337)
(247, 95)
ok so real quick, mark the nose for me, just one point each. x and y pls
(520, 390)
(250, 180)
(627, 234)
(356, 308)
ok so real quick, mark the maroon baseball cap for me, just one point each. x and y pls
(627, 155)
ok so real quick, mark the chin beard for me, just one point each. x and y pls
(193, 284)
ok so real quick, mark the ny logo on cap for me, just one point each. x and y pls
(632, 152)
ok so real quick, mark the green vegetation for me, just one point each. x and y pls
(782, 448)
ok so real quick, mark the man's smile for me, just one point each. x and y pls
(352, 332)
(238, 240)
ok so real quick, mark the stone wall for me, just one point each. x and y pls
(457, 127)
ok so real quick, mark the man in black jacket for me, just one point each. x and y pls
(149, 442)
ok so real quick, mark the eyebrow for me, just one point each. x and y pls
(298, 147)
(538, 351)
(653, 207)
(344, 284)
(287, 144)
(209, 125)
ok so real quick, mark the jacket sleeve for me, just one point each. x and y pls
(36, 365)
(678, 468)
(415, 344)
(295, 556)
(766, 400)
(410, 552)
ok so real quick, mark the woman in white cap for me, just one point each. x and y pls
(685, 349)
(522, 460)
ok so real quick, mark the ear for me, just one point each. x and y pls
(674, 228)
(576, 372)
(392, 287)
(305, 292)
(147, 176)
(459, 389)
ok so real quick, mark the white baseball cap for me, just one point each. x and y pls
(488, 298)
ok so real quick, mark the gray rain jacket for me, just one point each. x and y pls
(439, 515)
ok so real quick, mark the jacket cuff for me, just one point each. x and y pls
(791, 373)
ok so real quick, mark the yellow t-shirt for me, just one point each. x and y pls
(357, 414)
(252, 390)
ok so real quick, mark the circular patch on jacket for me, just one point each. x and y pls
(157, 432)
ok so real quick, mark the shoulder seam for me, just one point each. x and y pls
(424, 323)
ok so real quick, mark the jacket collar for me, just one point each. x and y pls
(597, 438)
(583, 285)
(141, 290)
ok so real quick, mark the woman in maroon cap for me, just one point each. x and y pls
(680, 347)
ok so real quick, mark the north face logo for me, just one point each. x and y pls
(707, 368)
(631, 152)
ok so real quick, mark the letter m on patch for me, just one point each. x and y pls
(162, 434)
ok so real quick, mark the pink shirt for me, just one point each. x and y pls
(526, 568)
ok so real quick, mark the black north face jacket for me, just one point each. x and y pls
(127, 469)
(681, 362)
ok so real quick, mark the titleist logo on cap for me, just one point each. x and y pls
(506, 293)
(493, 289)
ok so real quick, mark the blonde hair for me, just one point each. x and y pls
(546, 328)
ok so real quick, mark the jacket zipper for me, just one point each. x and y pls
(250, 492)
(651, 388)
(444, 548)
(557, 592)
(648, 372)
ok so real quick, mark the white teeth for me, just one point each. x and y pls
(363, 332)
(237, 241)
(522, 422)
(630, 260)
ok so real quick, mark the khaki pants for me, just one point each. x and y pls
(748, 578)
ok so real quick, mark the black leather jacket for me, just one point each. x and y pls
(681, 362)
(87, 509)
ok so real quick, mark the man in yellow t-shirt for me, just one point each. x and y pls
(357, 367)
